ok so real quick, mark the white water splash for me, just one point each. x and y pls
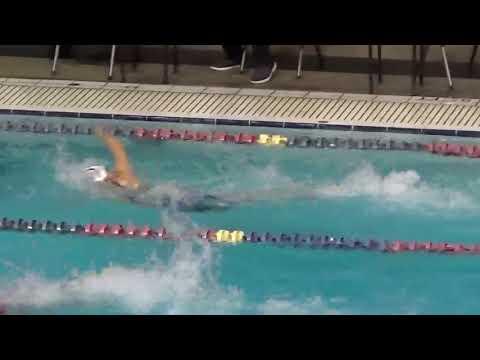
(178, 288)
(405, 188)
(315, 305)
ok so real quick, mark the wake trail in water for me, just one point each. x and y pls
(404, 188)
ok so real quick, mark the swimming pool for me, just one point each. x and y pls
(366, 194)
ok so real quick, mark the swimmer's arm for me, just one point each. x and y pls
(116, 148)
(122, 167)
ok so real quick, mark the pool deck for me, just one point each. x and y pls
(236, 106)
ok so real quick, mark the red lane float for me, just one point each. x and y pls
(469, 150)
(398, 246)
(131, 230)
(145, 231)
(89, 229)
(120, 230)
(102, 229)
(219, 136)
(202, 136)
(454, 149)
(140, 132)
(446, 149)
(401, 246)
(244, 139)
(187, 135)
(117, 230)
(162, 134)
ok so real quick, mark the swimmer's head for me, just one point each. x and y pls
(98, 173)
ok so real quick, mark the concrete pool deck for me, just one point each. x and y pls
(247, 106)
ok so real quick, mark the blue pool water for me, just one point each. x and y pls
(386, 195)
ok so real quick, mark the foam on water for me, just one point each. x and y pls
(315, 305)
(176, 290)
(405, 188)
(182, 286)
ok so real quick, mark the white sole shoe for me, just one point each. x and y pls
(225, 68)
(263, 81)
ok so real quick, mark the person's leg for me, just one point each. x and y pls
(233, 52)
(264, 65)
(65, 51)
(233, 58)
(261, 55)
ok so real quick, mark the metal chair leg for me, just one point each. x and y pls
(175, 59)
(319, 56)
(447, 68)
(55, 59)
(165, 65)
(112, 62)
(414, 69)
(300, 62)
(123, 73)
(136, 57)
(422, 64)
(244, 57)
(380, 70)
(370, 75)
(423, 56)
(472, 59)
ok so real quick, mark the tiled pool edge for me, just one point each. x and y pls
(246, 123)
(266, 107)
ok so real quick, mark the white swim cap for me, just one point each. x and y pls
(97, 172)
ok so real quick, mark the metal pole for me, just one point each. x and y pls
(380, 70)
(422, 64)
(55, 58)
(165, 65)
(136, 56)
(300, 62)
(414, 68)
(112, 60)
(447, 68)
(319, 56)
(175, 59)
(370, 75)
(472, 59)
(244, 57)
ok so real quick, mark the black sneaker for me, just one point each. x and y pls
(226, 65)
(263, 74)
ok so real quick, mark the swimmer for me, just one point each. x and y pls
(122, 174)
(123, 178)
